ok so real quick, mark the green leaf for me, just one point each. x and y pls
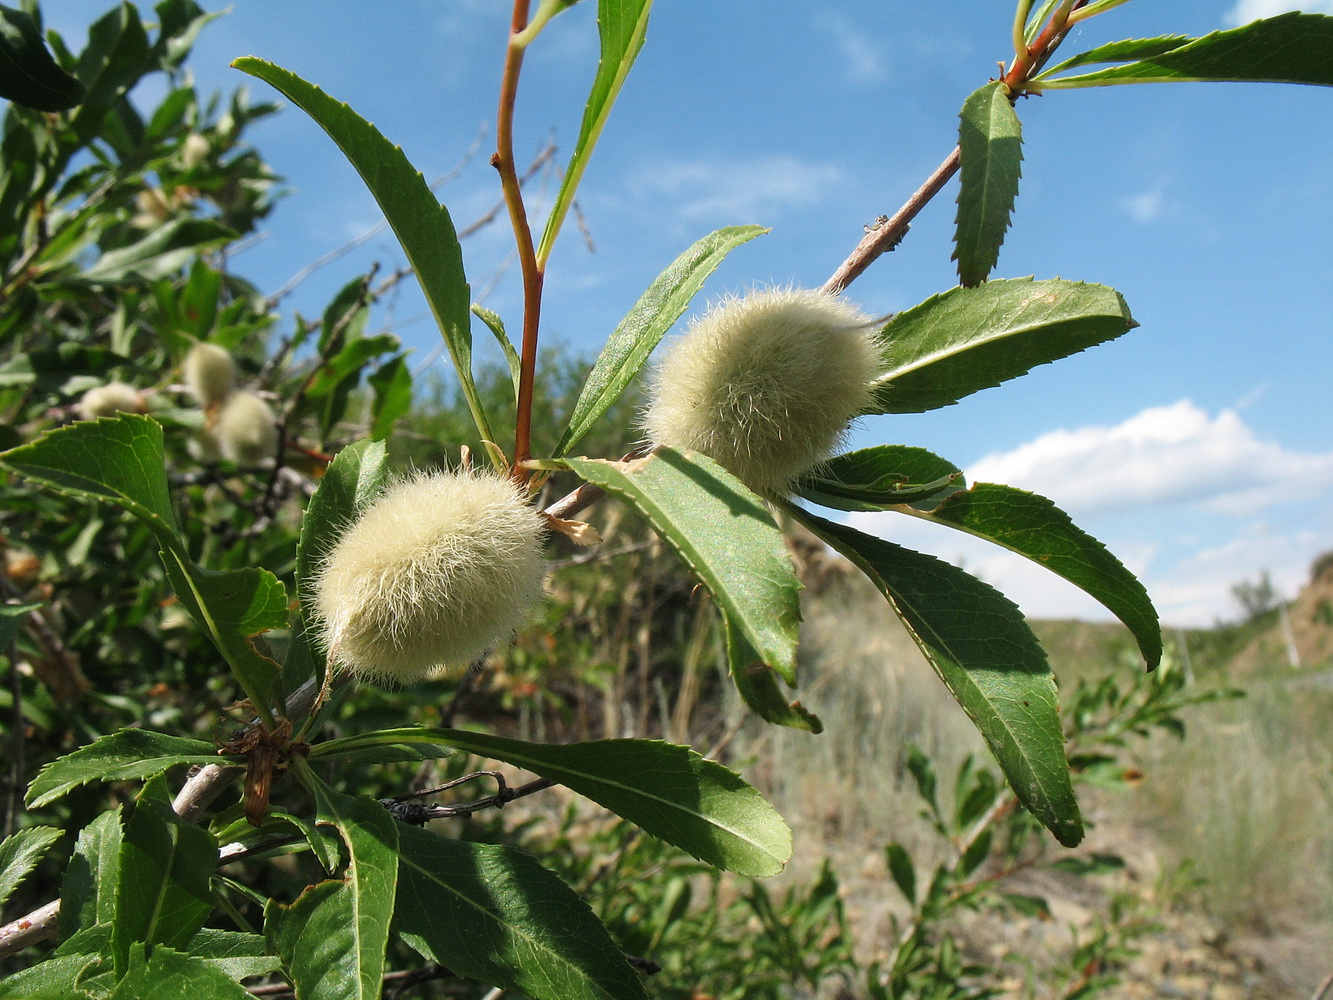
(493, 914)
(1035, 528)
(420, 222)
(163, 251)
(314, 937)
(20, 853)
(130, 753)
(170, 975)
(120, 460)
(324, 844)
(967, 339)
(1038, 18)
(1094, 864)
(353, 480)
(363, 907)
(232, 607)
(28, 74)
(166, 867)
(882, 476)
(392, 383)
(645, 324)
(496, 325)
(235, 954)
(1289, 48)
(990, 140)
(758, 686)
(987, 657)
(11, 619)
(115, 459)
(622, 25)
(670, 791)
(726, 536)
(902, 870)
(92, 877)
(53, 979)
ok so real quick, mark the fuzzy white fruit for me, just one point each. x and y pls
(766, 385)
(210, 374)
(434, 572)
(110, 399)
(194, 150)
(246, 429)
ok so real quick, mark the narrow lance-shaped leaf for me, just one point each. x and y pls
(333, 940)
(162, 251)
(120, 460)
(421, 223)
(725, 535)
(236, 954)
(889, 477)
(20, 853)
(881, 476)
(392, 384)
(1289, 48)
(967, 339)
(990, 140)
(1035, 528)
(1037, 19)
(11, 619)
(644, 325)
(496, 915)
(673, 793)
(166, 865)
(169, 974)
(622, 25)
(28, 74)
(496, 325)
(92, 877)
(758, 685)
(128, 754)
(983, 650)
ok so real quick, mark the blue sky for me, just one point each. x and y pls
(1199, 447)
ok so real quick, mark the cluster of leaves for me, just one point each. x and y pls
(111, 263)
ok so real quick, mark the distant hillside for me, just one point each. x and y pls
(1310, 628)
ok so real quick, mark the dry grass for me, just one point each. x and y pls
(1246, 801)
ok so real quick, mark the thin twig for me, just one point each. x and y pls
(376, 229)
(1324, 988)
(884, 238)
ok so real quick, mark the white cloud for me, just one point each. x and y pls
(1191, 503)
(1246, 11)
(1174, 454)
(863, 61)
(754, 189)
(1148, 206)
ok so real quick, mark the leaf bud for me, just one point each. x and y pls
(767, 385)
(439, 568)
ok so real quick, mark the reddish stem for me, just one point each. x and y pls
(503, 161)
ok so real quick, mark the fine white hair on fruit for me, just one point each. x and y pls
(246, 429)
(439, 568)
(766, 385)
(110, 399)
(210, 374)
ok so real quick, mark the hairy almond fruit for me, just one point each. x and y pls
(436, 571)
